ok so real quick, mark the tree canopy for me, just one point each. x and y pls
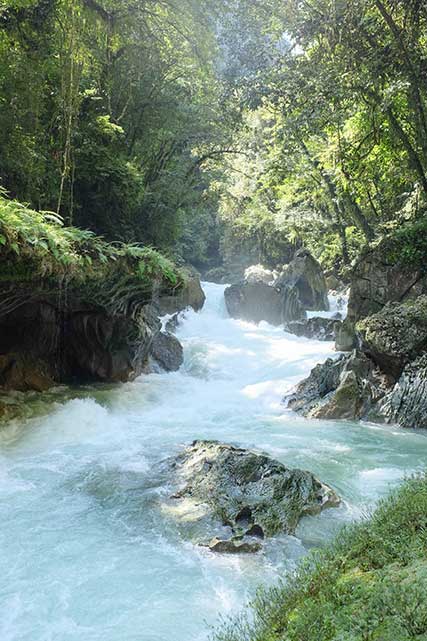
(197, 125)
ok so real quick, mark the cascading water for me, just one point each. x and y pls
(86, 551)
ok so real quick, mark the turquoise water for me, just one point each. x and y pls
(87, 551)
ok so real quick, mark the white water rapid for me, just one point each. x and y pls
(86, 552)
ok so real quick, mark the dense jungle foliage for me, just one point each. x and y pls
(202, 127)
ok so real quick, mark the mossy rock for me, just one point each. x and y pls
(247, 491)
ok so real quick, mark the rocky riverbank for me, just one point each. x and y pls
(382, 374)
(75, 309)
(383, 377)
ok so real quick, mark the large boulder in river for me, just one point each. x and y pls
(395, 335)
(305, 275)
(318, 328)
(299, 287)
(249, 492)
(166, 350)
(255, 302)
(343, 388)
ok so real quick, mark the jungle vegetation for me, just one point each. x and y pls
(199, 125)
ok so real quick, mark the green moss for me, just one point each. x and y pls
(369, 585)
(37, 248)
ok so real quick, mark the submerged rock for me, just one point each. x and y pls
(252, 494)
(321, 329)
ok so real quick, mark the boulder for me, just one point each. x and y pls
(305, 275)
(300, 286)
(255, 302)
(343, 388)
(318, 328)
(259, 274)
(167, 351)
(395, 335)
(249, 492)
(234, 545)
(406, 404)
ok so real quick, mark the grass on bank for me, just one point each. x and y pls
(36, 247)
(369, 585)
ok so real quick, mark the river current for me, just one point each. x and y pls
(87, 553)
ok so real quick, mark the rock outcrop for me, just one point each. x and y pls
(384, 380)
(43, 343)
(300, 287)
(250, 493)
(190, 295)
(343, 388)
(318, 328)
(377, 280)
(406, 403)
(305, 276)
(395, 335)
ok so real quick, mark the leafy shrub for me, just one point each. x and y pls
(407, 245)
(37, 247)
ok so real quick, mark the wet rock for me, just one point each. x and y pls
(343, 388)
(42, 345)
(395, 335)
(345, 338)
(167, 351)
(255, 302)
(173, 323)
(18, 372)
(247, 491)
(305, 276)
(259, 274)
(234, 546)
(300, 286)
(318, 328)
(406, 404)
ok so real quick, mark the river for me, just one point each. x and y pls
(87, 553)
